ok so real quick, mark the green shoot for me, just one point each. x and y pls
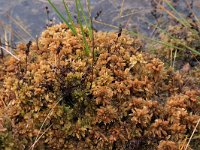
(68, 13)
(88, 25)
(70, 24)
(71, 27)
(87, 49)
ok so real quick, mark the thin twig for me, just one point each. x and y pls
(192, 134)
(10, 53)
(92, 51)
(175, 55)
(92, 37)
(8, 46)
(49, 114)
(33, 145)
(1, 50)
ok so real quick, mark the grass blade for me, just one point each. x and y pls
(71, 27)
(87, 49)
(175, 39)
(68, 13)
(90, 28)
(184, 21)
(87, 22)
(181, 20)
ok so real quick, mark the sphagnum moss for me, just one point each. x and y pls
(134, 101)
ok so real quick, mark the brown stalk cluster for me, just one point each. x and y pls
(182, 40)
(134, 102)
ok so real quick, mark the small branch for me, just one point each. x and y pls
(1, 50)
(93, 57)
(48, 115)
(32, 147)
(10, 53)
(192, 134)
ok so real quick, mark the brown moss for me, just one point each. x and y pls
(134, 101)
(167, 145)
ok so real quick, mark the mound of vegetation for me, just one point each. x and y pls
(57, 97)
(184, 48)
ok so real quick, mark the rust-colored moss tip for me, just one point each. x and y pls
(56, 97)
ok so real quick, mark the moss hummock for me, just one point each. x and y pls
(56, 97)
